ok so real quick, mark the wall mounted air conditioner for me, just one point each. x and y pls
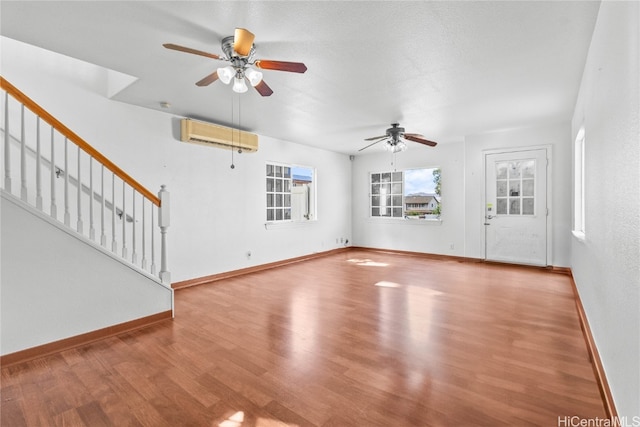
(203, 133)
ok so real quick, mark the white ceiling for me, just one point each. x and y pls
(443, 69)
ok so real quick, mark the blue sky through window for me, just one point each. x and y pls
(301, 173)
(419, 181)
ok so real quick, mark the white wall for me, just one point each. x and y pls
(606, 265)
(217, 214)
(55, 286)
(462, 194)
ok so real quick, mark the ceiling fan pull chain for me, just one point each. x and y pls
(239, 133)
(233, 166)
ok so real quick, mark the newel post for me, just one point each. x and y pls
(163, 223)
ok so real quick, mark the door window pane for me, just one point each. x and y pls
(501, 188)
(529, 168)
(514, 206)
(501, 170)
(501, 209)
(514, 170)
(514, 188)
(527, 206)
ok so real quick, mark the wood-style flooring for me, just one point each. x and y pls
(357, 338)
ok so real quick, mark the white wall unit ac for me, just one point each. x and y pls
(209, 134)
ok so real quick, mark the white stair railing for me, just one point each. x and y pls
(131, 206)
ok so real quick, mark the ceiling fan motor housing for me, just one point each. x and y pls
(227, 48)
(395, 132)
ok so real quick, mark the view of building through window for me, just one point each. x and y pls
(302, 203)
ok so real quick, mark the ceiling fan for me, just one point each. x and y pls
(239, 50)
(394, 139)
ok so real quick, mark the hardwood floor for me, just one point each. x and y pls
(358, 338)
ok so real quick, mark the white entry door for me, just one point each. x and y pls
(516, 207)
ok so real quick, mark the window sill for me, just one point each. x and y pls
(405, 221)
(579, 235)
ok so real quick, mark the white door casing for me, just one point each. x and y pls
(515, 208)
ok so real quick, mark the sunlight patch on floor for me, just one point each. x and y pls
(385, 284)
(367, 262)
(237, 420)
(234, 420)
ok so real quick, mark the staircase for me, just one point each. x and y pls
(83, 245)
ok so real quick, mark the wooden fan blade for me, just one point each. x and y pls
(263, 89)
(371, 144)
(293, 67)
(419, 139)
(189, 50)
(242, 41)
(375, 137)
(208, 80)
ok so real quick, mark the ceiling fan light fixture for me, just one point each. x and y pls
(395, 147)
(254, 76)
(225, 74)
(239, 85)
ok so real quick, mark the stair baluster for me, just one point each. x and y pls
(123, 217)
(38, 167)
(114, 244)
(54, 208)
(23, 158)
(79, 192)
(7, 146)
(67, 213)
(92, 230)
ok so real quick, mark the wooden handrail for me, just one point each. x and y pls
(73, 137)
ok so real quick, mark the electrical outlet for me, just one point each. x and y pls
(342, 240)
(451, 246)
(336, 240)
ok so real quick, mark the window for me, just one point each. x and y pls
(290, 193)
(578, 190)
(515, 184)
(409, 194)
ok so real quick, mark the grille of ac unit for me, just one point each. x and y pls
(209, 134)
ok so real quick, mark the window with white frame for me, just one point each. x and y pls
(407, 194)
(579, 187)
(290, 191)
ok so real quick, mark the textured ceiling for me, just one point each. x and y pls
(441, 69)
